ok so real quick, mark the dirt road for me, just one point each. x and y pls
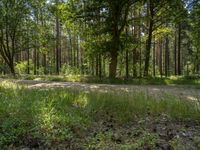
(154, 90)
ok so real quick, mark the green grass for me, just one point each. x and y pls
(189, 81)
(49, 116)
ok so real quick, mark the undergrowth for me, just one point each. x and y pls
(48, 116)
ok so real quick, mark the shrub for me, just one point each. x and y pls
(69, 70)
(22, 67)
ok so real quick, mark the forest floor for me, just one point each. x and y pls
(179, 91)
(80, 116)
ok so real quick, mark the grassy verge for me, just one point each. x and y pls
(58, 118)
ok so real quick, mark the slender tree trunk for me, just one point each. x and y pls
(154, 58)
(97, 66)
(167, 56)
(44, 63)
(179, 49)
(100, 66)
(127, 65)
(104, 67)
(38, 61)
(74, 52)
(127, 58)
(28, 61)
(134, 52)
(161, 60)
(57, 45)
(77, 52)
(92, 67)
(35, 61)
(175, 54)
(71, 48)
(148, 49)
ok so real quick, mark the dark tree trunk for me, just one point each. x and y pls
(92, 66)
(12, 68)
(179, 49)
(113, 65)
(167, 56)
(135, 33)
(44, 63)
(114, 53)
(150, 14)
(38, 61)
(74, 52)
(148, 49)
(127, 58)
(97, 66)
(104, 67)
(57, 46)
(100, 66)
(154, 58)
(127, 65)
(35, 61)
(175, 54)
(28, 61)
(161, 60)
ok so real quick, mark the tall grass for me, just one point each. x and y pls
(59, 114)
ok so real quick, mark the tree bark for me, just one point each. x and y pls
(57, 45)
(154, 58)
(179, 49)
(161, 60)
(113, 65)
(150, 14)
(148, 49)
(167, 56)
(175, 54)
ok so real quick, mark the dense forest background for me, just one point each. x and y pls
(115, 38)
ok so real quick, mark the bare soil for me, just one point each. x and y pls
(182, 92)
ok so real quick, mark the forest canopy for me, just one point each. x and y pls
(129, 38)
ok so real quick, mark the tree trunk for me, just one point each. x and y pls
(57, 45)
(179, 49)
(127, 65)
(154, 58)
(167, 57)
(12, 67)
(100, 66)
(38, 61)
(113, 65)
(97, 66)
(135, 33)
(35, 61)
(28, 61)
(161, 60)
(148, 49)
(175, 56)
(44, 63)
(127, 58)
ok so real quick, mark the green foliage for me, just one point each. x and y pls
(22, 67)
(68, 70)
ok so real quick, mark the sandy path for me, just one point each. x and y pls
(155, 90)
